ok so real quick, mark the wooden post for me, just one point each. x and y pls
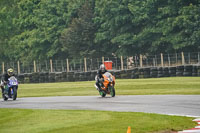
(67, 65)
(127, 63)
(122, 63)
(85, 63)
(116, 63)
(169, 60)
(3, 67)
(34, 64)
(162, 63)
(102, 60)
(183, 59)
(141, 64)
(198, 58)
(188, 58)
(98, 63)
(62, 65)
(51, 65)
(18, 67)
(156, 63)
(91, 66)
(80, 66)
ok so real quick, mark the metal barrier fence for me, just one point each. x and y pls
(91, 64)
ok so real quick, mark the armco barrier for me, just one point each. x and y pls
(147, 72)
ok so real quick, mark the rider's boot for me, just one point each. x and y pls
(9, 93)
(97, 86)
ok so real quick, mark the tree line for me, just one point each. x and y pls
(43, 29)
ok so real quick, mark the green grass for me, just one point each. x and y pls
(70, 121)
(157, 86)
(151, 86)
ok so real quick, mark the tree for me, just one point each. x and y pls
(77, 39)
(113, 20)
(8, 11)
(41, 24)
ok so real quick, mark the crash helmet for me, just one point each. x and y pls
(102, 67)
(10, 71)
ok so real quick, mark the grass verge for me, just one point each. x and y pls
(70, 121)
(151, 86)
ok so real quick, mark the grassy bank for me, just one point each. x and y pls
(151, 86)
(62, 121)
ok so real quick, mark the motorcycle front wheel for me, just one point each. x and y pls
(102, 93)
(112, 91)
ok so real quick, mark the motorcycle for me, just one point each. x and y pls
(10, 89)
(107, 84)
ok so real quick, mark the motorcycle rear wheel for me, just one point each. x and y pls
(14, 93)
(102, 93)
(112, 91)
(4, 97)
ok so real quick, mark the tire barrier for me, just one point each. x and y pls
(129, 73)
(188, 70)
(117, 75)
(147, 72)
(154, 72)
(160, 72)
(172, 71)
(70, 76)
(52, 77)
(195, 71)
(124, 74)
(166, 72)
(35, 77)
(179, 70)
(198, 70)
(135, 73)
(141, 73)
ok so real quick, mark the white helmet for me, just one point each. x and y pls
(102, 67)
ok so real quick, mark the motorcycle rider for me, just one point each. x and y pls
(99, 77)
(5, 77)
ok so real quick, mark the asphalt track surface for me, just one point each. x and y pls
(181, 105)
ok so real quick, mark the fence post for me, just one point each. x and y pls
(91, 65)
(156, 63)
(188, 58)
(198, 58)
(81, 65)
(162, 63)
(98, 63)
(67, 65)
(85, 63)
(62, 65)
(102, 60)
(127, 61)
(169, 60)
(18, 67)
(34, 65)
(51, 65)
(141, 64)
(3, 67)
(122, 63)
(183, 60)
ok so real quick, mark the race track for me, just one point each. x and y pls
(182, 105)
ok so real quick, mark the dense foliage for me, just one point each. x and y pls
(40, 29)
